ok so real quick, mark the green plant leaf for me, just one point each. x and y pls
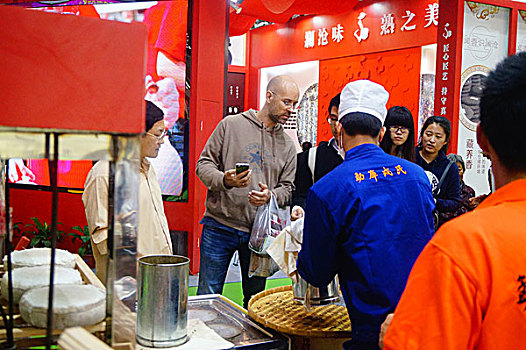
(83, 230)
(35, 241)
(38, 224)
(17, 226)
(82, 234)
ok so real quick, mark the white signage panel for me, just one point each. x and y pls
(485, 43)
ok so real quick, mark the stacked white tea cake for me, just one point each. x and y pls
(74, 303)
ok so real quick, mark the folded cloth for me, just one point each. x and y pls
(201, 337)
(294, 237)
(284, 250)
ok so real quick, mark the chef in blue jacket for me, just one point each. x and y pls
(368, 219)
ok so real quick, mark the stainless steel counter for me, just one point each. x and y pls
(233, 324)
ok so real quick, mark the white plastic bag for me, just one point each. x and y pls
(270, 220)
(262, 265)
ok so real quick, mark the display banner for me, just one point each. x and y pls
(485, 43)
(449, 44)
(521, 31)
(372, 26)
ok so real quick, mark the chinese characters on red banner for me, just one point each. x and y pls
(389, 26)
(444, 51)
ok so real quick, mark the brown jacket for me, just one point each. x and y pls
(272, 158)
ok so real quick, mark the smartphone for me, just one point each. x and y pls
(241, 167)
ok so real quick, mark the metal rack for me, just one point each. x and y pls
(122, 152)
(79, 105)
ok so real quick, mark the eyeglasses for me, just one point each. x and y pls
(332, 119)
(396, 128)
(159, 138)
(288, 103)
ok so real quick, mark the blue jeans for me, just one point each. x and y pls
(218, 244)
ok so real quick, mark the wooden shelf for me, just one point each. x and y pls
(23, 331)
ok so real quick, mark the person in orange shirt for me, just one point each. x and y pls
(467, 289)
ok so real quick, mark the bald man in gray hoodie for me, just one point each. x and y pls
(257, 138)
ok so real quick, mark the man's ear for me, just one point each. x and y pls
(482, 139)
(268, 95)
(339, 129)
(381, 134)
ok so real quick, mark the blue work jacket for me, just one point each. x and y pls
(367, 221)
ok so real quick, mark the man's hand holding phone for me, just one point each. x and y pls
(238, 177)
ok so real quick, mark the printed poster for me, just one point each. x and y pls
(485, 44)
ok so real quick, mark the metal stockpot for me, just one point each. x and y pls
(317, 296)
(162, 298)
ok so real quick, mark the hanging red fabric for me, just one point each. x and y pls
(257, 9)
(239, 24)
(280, 11)
(278, 6)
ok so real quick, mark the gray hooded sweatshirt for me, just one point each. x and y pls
(272, 158)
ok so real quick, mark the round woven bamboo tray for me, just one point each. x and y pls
(276, 309)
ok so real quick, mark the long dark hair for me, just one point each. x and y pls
(400, 116)
(443, 122)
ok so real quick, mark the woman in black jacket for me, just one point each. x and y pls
(431, 156)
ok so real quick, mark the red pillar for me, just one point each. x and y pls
(449, 64)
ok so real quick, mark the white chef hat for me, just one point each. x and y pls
(364, 96)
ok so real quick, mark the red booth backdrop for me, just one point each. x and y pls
(377, 40)
(398, 71)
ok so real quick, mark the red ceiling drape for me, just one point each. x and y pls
(239, 24)
(280, 11)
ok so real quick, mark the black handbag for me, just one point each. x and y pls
(436, 214)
